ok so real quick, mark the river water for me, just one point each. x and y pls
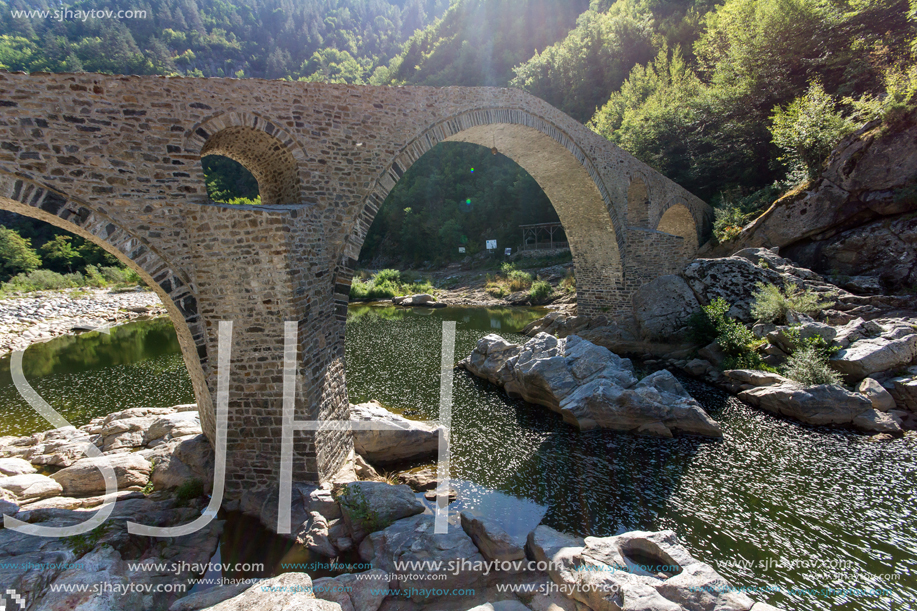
(783, 509)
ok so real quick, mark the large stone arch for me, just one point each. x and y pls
(551, 156)
(270, 153)
(171, 284)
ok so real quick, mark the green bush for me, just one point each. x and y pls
(392, 276)
(771, 304)
(809, 366)
(703, 323)
(188, 491)
(541, 291)
(740, 345)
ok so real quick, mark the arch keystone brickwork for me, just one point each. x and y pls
(118, 160)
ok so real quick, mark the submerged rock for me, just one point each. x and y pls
(589, 386)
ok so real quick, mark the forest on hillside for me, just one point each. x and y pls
(737, 100)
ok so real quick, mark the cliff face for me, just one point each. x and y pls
(859, 218)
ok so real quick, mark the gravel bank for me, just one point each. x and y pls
(48, 314)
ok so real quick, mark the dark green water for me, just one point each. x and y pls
(773, 492)
(93, 374)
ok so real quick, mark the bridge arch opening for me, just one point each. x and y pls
(265, 157)
(678, 220)
(559, 166)
(170, 283)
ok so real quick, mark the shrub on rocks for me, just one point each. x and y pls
(809, 366)
(771, 303)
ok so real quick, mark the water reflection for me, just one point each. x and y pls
(93, 374)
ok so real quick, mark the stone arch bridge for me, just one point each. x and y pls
(116, 160)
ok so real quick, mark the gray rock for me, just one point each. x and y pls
(712, 353)
(658, 405)
(904, 389)
(197, 454)
(31, 486)
(491, 540)
(591, 386)
(83, 478)
(366, 506)
(406, 440)
(544, 543)
(286, 592)
(354, 594)
(501, 605)
(412, 540)
(15, 466)
(420, 481)
(731, 278)
(662, 307)
(491, 359)
(315, 536)
(180, 424)
(209, 598)
(874, 421)
(822, 404)
(880, 398)
(697, 367)
(8, 504)
(868, 356)
(754, 377)
(672, 580)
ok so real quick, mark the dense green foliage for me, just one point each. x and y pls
(16, 254)
(242, 38)
(809, 365)
(478, 42)
(457, 195)
(388, 283)
(701, 115)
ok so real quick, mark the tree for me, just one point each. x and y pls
(807, 129)
(16, 254)
(60, 254)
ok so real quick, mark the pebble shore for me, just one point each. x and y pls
(44, 315)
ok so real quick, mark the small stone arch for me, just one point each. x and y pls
(270, 153)
(171, 284)
(677, 218)
(638, 202)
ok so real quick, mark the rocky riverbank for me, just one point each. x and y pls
(41, 316)
(872, 341)
(159, 455)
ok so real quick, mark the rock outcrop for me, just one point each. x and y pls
(589, 386)
(405, 439)
(855, 219)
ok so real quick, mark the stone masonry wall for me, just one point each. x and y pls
(116, 159)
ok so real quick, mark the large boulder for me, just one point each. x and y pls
(491, 540)
(30, 486)
(641, 570)
(662, 307)
(492, 358)
(15, 466)
(363, 593)
(903, 389)
(591, 386)
(286, 592)
(171, 426)
(405, 440)
(895, 348)
(370, 506)
(412, 540)
(818, 405)
(731, 278)
(83, 478)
